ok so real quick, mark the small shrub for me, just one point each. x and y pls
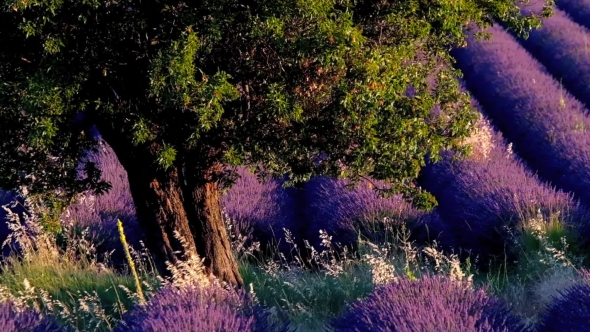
(428, 304)
(12, 319)
(569, 312)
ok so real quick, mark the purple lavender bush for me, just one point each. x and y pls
(482, 197)
(548, 127)
(579, 10)
(343, 212)
(196, 310)
(15, 320)
(100, 213)
(570, 312)
(562, 46)
(260, 210)
(431, 303)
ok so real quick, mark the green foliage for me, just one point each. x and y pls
(166, 157)
(50, 210)
(299, 87)
(306, 298)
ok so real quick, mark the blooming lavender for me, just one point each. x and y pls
(547, 126)
(570, 312)
(563, 47)
(482, 197)
(100, 213)
(13, 319)
(260, 209)
(578, 9)
(193, 309)
(428, 304)
(332, 206)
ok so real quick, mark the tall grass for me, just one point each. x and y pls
(66, 280)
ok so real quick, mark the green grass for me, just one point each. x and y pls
(307, 298)
(69, 282)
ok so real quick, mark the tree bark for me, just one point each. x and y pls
(160, 209)
(169, 201)
(203, 206)
(158, 199)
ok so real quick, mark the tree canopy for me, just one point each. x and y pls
(276, 83)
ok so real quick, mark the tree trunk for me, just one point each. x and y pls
(166, 202)
(208, 227)
(158, 199)
(160, 211)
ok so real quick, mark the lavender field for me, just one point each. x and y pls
(506, 249)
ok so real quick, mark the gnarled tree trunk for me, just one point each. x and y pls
(203, 206)
(158, 199)
(169, 202)
(160, 210)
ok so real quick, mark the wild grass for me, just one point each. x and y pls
(65, 280)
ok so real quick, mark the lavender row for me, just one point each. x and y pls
(563, 47)
(578, 9)
(263, 209)
(431, 303)
(482, 198)
(570, 309)
(15, 319)
(548, 127)
(100, 213)
(198, 309)
(346, 212)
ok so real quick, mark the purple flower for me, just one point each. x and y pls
(570, 312)
(342, 211)
(15, 320)
(562, 47)
(429, 304)
(195, 310)
(260, 209)
(100, 213)
(484, 196)
(578, 9)
(547, 126)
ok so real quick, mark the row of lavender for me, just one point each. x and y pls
(432, 303)
(578, 9)
(563, 47)
(547, 126)
(266, 209)
(484, 198)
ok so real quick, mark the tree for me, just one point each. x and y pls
(181, 90)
